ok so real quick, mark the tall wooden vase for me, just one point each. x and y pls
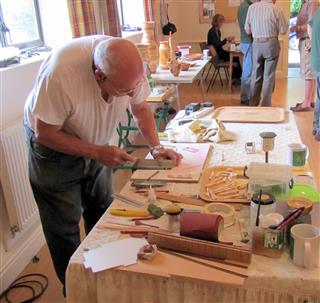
(148, 29)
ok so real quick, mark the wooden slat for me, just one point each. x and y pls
(200, 247)
(179, 199)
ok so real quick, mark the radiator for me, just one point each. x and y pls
(19, 201)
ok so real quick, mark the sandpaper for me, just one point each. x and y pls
(201, 226)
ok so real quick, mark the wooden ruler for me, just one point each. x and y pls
(201, 247)
(179, 199)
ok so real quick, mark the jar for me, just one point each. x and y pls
(267, 206)
(164, 55)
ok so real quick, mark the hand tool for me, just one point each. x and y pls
(123, 212)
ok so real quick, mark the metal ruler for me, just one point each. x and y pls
(128, 200)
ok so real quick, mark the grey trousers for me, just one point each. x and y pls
(66, 187)
(265, 57)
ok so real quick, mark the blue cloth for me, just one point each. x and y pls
(316, 117)
(246, 49)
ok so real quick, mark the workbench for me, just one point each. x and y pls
(168, 278)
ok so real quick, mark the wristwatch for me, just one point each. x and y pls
(154, 148)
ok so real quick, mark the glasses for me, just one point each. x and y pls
(128, 91)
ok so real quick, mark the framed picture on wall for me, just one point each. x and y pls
(206, 10)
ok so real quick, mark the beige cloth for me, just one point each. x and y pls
(305, 67)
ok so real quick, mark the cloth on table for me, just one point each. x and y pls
(200, 130)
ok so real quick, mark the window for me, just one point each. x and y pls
(20, 23)
(131, 13)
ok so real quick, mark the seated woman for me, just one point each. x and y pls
(214, 39)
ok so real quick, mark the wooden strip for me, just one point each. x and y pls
(179, 199)
(200, 247)
(192, 259)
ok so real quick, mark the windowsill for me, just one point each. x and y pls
(131, 33)
(25, 61)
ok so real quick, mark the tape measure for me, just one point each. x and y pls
(222, 209)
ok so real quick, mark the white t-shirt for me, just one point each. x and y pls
(67, 94)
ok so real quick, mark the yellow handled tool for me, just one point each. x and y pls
(128, 212)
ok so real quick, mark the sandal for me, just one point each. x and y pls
(299, 104)
(299, 108)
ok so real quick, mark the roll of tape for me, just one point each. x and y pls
(226, 211)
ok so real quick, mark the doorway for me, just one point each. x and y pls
(294, 56)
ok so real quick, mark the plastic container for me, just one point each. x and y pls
(267, 242)
(275, 179)
(267, 206)
(184, 49)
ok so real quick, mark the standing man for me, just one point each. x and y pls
(81, 92)
(307, 11)
(246, 49)
(264, 21)
(315, 65)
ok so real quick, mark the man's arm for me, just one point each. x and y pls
(144, 118)
(283, 24)
(247, 25)
(54, 137)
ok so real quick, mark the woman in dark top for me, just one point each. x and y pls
(214, 39)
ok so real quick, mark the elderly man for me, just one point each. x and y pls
(246, 49)
(307, 11)
(264, 21)
(81, 92)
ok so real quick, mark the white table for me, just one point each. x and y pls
(185, 77)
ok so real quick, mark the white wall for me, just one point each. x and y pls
(16, 82)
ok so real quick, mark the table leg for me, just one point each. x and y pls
(177, 95)
(202, 89)
(230, 73)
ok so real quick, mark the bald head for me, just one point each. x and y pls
(118, 58)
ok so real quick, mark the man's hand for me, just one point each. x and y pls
(113, 156)
(164, 153)
(308, 48)
(230, 38)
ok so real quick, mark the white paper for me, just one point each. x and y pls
(123, 252)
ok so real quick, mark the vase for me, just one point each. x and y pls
(164, 55)
(148, 37)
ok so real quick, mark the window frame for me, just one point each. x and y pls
(122, 20)
(23, 45)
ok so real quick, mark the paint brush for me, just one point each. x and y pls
(292, 216)
(258, 211)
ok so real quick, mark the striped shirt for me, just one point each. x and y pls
(265, 20)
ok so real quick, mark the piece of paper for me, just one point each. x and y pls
(118, 253)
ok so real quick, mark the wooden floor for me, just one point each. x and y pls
(287, 93)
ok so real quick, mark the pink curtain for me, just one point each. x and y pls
(148, 10)
(113, 18)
